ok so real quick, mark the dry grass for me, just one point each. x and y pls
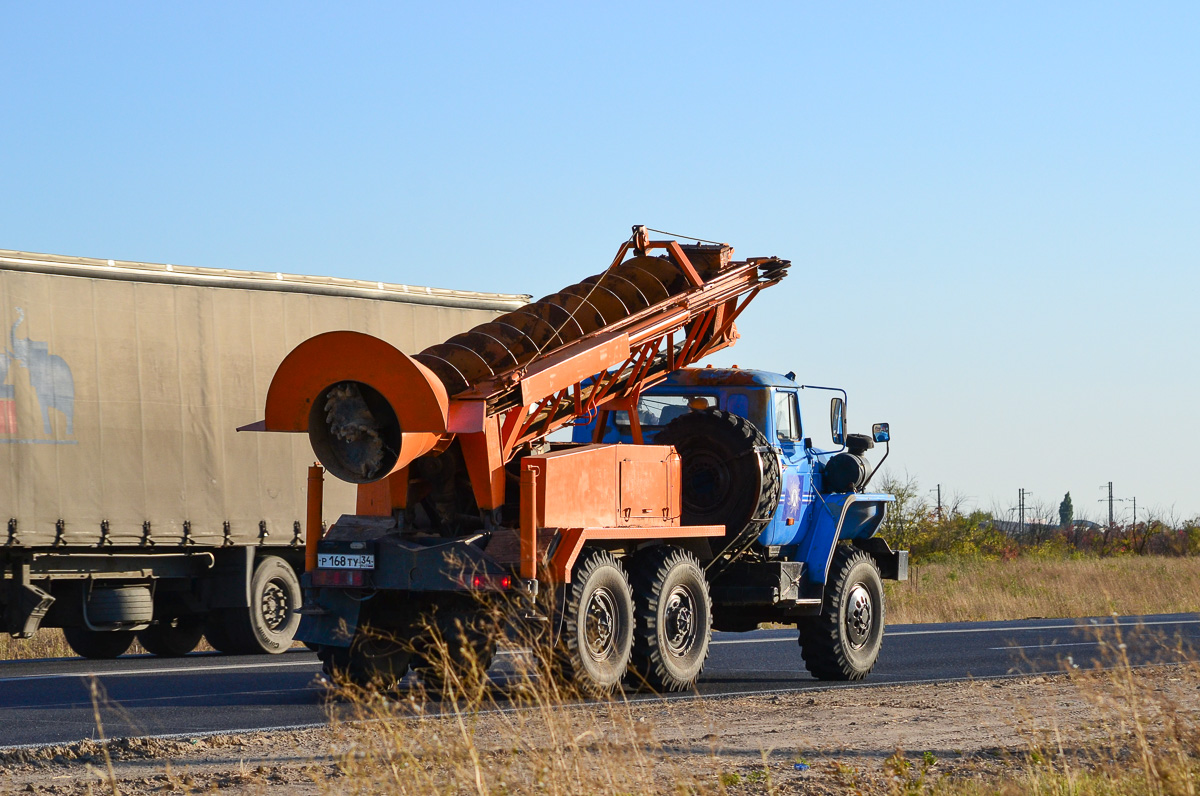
(970, 590)
(1142, 737)
(44, 644)
(50, 643)
(531, 736)
(1126, 734)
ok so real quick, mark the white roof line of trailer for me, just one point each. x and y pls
(254, 280)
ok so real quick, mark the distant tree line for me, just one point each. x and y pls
(914, 523)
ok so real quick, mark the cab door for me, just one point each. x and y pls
(795, 495)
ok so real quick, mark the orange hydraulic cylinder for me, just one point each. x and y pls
(528, 536)
(316, 497)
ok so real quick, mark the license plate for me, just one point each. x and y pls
(346, 560)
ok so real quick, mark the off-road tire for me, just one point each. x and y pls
(672, 618)
(730, 476)
(172, 638)
(597, 625)
(373, 660)
(269, 624)
(843, 642)
(98, 644)
(458, 647)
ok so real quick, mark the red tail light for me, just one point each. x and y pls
(491, 582)
(339, 577)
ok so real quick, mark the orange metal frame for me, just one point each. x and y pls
(572, 540)
(599, 372)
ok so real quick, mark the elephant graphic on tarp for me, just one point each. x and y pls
(49, 375)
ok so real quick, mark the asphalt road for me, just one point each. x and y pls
(57, 701)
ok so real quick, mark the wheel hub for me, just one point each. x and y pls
(600, 624)
(860, 616)
(276, 606)
(707, 478)
(679, 620)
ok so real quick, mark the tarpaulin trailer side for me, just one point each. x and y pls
(121, 386)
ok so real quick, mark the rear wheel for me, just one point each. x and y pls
(843, 642)
(172, 638)
(372, 659)
(597, 634)
(457, 651)
(270, 622)
(673, 614)
(98, 644)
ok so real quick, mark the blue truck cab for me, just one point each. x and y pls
(815, 521)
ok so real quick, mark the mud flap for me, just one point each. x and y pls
(330, 619)
(27, 610)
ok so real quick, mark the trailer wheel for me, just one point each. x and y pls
(597, 630)
(98, 644)
(269, 624)
(843, 642)
(172, 638)
(673, 618)
(458, 649)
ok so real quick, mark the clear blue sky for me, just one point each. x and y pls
(992, 208)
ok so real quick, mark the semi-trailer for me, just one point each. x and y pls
(130, 507)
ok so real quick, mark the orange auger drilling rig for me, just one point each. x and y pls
(461, 496)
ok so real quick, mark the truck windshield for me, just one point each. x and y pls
(656, 411)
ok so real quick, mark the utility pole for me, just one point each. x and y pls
(939, 503)
(1021, 508)
(1110, 502)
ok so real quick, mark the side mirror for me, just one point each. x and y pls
(881, 432)
(837, 421)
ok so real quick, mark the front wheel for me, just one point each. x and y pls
(843, 642)
(673, 613)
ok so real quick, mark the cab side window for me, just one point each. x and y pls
(787, 416)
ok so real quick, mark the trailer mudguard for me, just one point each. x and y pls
(835, 517)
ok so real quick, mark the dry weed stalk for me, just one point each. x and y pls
(1143, 733)
(467, 735)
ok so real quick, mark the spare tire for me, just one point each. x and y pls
(117, 605)
(730, 475)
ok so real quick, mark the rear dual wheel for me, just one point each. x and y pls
(457, 648)
(372, 659)
(597, 630)
(673, 613)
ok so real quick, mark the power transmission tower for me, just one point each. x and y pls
(1111, 523)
